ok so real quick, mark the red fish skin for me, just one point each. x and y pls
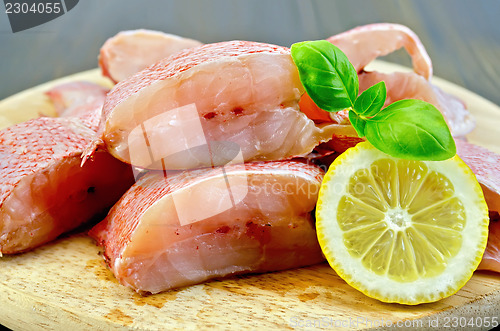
(365, 43)
(117, 231)
(37, 150)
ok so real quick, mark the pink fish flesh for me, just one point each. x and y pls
(365, 43)
(486, 166)
(76, 98)
(186, 228)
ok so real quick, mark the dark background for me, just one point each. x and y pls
(461, 36)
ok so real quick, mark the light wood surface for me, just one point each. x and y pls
(65, 285)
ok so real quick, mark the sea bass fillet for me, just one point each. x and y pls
(43, 190)
(183, 229)
(203, 105)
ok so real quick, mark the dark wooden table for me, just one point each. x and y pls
(461, 36)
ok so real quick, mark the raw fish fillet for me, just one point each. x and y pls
(43, 190)
(365, 43)
(186, 228)
(204, 105)
(131, 51)
(486, 167)
(400, 85)
(81, 100)
(491, 257)
(77, 98)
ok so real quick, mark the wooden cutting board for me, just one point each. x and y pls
(65, 285)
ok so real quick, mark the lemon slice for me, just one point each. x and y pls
(398, 230)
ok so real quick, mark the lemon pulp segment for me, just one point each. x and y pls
(402, 235)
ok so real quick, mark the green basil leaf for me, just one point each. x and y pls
(327, 75)
(358, 123)
(411, 129)
(370, 102)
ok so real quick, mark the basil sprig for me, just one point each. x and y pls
(409, 129)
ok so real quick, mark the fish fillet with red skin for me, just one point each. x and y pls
(238, 92)
(43, 190)
(486, 166)
(184, 229)
(364, 44)
(491, 257)
(129, 52)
